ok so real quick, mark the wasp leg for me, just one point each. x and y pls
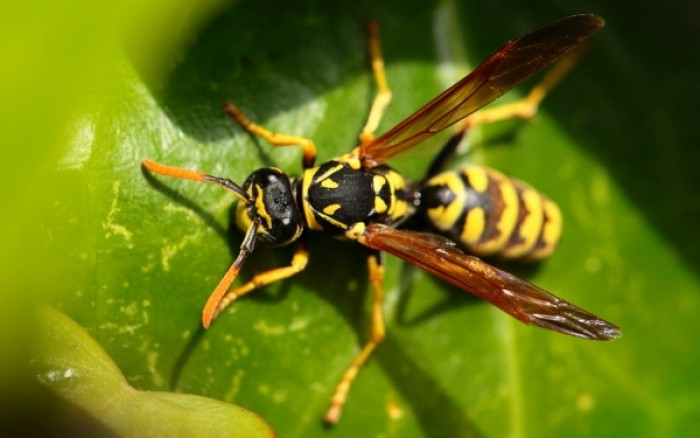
(307, 145)
(524, 108)
(376, 275)
(446, 153)
(383, 96)
(229, 277)
(298, 264)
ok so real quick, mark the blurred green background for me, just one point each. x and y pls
(89, 89)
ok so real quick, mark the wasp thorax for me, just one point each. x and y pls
(272, 205)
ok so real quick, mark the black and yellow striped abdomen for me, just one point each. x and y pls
(490, 214)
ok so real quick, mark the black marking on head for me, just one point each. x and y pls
(274, 203)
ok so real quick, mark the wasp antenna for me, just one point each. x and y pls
(215, 298)
(230, 186)
(173, 172)
(179, 172)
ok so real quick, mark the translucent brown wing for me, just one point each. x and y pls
(517, 297)
(514, 62)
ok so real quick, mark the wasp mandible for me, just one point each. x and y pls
(358, 197)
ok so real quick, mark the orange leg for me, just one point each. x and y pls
(298, 264)
(383, 97)
(376, 275)
(275, 139)
(216, 297)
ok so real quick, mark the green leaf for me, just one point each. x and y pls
(71, 363)
(132, 258)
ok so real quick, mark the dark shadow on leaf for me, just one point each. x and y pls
(276, 62)
(434, 410)
(454, 298)
(181, 361)
(348, 290)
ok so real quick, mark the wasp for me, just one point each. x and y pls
(358, 197)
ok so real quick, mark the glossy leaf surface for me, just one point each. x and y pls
(135, 257)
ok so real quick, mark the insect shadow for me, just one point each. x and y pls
(348, 295)
(348, 290)
(186, 202)
(454, 298)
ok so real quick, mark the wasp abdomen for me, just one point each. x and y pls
(490, 214)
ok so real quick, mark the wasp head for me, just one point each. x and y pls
(271, 204)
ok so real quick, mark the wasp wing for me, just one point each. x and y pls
(514, 62)
(523, 300)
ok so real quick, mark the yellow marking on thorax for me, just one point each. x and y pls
(334, 222)
(378, 181)
(380, 206)
(350, 159)
(355, 231)
(328, 172)
(306, 180)
(398, 208)
(329, 184)
(331, 209)
(395, 179)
